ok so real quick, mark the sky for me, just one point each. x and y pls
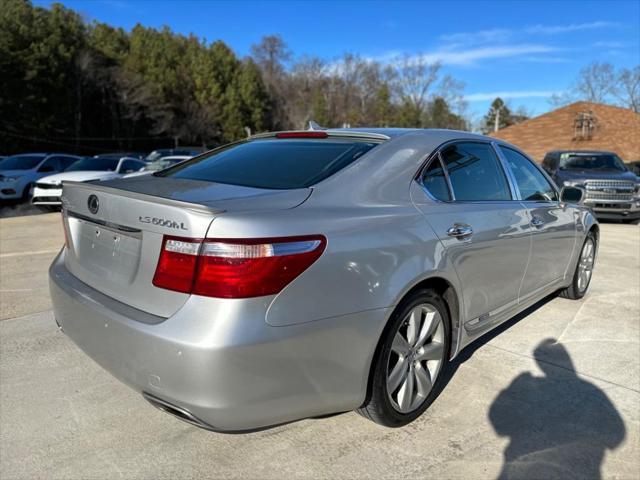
(522, 51)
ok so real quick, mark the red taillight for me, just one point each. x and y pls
(235, 268)
(177, 263)
(309, 134)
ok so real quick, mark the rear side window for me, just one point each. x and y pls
(475, 172)
(276, 164)
(435, 182)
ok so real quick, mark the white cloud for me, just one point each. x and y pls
(469, 56)
(481, 97)
(501, 35)
(572, 27)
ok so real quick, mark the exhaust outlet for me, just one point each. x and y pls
(177, 412)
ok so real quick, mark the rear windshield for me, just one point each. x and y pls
(591, 162)
(273, 163)
(94, 164)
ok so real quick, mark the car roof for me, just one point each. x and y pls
(387, 133)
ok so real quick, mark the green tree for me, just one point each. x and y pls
(498, 116)
(440, 116)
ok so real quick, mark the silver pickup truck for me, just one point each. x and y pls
(613, 191)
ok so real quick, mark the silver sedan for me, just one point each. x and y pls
(298, 274)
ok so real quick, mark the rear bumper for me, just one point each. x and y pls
(218, 361)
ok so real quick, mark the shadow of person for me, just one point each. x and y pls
(559, 425)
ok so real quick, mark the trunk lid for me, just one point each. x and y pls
(115, 229)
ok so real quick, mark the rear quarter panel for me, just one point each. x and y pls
(374, 255)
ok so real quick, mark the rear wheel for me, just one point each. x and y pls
(584, 270)
(407, 371)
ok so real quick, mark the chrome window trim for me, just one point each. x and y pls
(511, 179)
(445, 170)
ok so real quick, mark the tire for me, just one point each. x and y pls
(27, 192)
(579, 286)
(397, 406)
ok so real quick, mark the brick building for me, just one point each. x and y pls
(579, 126)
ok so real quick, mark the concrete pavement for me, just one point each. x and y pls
(513, 403)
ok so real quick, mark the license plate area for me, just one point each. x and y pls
(109, 253)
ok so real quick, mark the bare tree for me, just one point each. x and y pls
(628, 88)
(414, 80)
(271, 54)
(452, 92)
(596, 82)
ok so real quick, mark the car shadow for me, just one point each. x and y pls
(558, 424)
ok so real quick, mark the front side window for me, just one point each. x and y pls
(273, 163)
(435, 182)
(475, 172)
(532, 183)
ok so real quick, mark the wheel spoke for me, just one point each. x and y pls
(400, 345)
(405, 394)
(431, 322)
(397, 375)
(414, 325)
(431, 351)
(423, 380)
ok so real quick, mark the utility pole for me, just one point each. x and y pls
(497, 120)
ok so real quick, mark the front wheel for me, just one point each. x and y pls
(407, 370)
(27, 193)
(584, 270)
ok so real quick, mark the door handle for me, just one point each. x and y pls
(537, 221)
(460, 231)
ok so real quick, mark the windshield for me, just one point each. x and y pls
(276, 164)
(97, 164)
(604, 161)
(21, 162)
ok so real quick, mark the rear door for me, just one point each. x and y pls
(552, 225)
(483, 229)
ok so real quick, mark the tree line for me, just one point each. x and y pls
(86, 86)
(68, 84)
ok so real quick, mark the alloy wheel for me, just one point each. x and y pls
(417, 353)
(585, 267)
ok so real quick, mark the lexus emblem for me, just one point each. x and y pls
(93, 204)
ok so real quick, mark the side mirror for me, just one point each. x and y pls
(572, 195)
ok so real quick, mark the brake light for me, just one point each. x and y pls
(309, 134)
(177, 263)
(238, 268)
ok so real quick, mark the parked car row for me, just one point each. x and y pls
(38, 176)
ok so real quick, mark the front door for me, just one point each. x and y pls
(553, 227)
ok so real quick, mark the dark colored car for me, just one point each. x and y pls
(612, 190)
